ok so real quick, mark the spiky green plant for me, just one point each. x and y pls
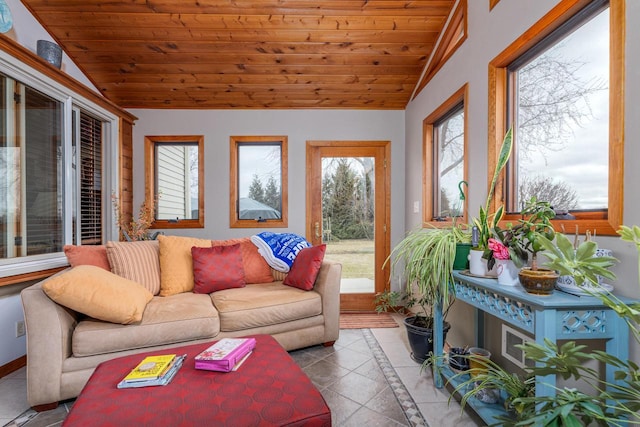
(487, 221)
(424, 259)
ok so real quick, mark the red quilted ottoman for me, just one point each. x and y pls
(269, 389)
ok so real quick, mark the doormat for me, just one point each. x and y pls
(366, 320)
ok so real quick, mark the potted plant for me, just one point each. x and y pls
(581, 263)
(534, 225)
(608, 404)
(425, 257)
(506, 254)
(486, 221)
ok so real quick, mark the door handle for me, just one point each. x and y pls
(317, 229)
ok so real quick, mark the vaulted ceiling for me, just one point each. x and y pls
(248, 53)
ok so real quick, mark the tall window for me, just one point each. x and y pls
(31, 215)
(558, 97)
(87, 142)
(445, 163)
(258, 191)
(175, 180)
(560, 86)
(35, 188)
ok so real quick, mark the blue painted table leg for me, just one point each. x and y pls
(545, 327)
(437, 345)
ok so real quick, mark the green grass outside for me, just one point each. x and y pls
(356, 256)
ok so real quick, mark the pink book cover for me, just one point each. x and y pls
(225, 354)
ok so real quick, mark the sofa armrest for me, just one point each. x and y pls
(328, 286)
(49, 332)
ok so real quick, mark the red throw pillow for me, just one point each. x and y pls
(256, 269)
(217, 268)
(87, 255)
(305, 268)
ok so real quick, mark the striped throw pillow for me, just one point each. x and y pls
(136, 261)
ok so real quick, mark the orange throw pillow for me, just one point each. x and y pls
(176, 264)
(87, 255)
(256, 269)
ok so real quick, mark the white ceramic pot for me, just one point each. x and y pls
(478, 265)
(507, 272)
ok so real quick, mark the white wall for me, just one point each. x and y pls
(27, 31)
(11, 348)
(489, 33)
(298, 125)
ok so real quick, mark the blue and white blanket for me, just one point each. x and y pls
(279, 249)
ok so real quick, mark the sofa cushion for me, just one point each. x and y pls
(217, 268)
(266, 304)
(137, 261)
(305, 268)
(256, 269)
(176, 264)
(87, 255)
(98, 293)
(180, 318)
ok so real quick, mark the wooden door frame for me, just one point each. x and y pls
(382, 225)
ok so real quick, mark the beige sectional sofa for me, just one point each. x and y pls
(64, 346)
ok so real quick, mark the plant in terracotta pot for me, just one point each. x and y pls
(425, 260)
(535, 224)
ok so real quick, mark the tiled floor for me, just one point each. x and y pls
(348, 375)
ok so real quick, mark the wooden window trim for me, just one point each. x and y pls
(604, 223)
(149, 172)
(234, 222)
(461, 95)
(493, 3)
(446, 46)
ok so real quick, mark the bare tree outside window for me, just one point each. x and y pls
(449, 162)
(561, 120)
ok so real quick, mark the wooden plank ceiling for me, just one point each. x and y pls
(248, 53)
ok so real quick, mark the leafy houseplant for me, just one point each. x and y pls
(486, 221)
(608, 404)
(535, 225)
(425, 257)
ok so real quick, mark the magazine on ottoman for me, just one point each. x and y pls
(225, 355)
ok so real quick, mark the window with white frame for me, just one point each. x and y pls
(52, 173)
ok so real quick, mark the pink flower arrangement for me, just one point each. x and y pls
(499, 250)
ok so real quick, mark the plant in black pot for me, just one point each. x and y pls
(425, 260)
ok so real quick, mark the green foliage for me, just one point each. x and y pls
(487, 221)
(534, 224)
(269, 194)
(347, 198)
(256, 192)
(581, 263)
(425, 258)
(608, 403)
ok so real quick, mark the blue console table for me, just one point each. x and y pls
(559, 316)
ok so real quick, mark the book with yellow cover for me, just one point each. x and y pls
(151, 367)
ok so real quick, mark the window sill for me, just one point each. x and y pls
(22, 271)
